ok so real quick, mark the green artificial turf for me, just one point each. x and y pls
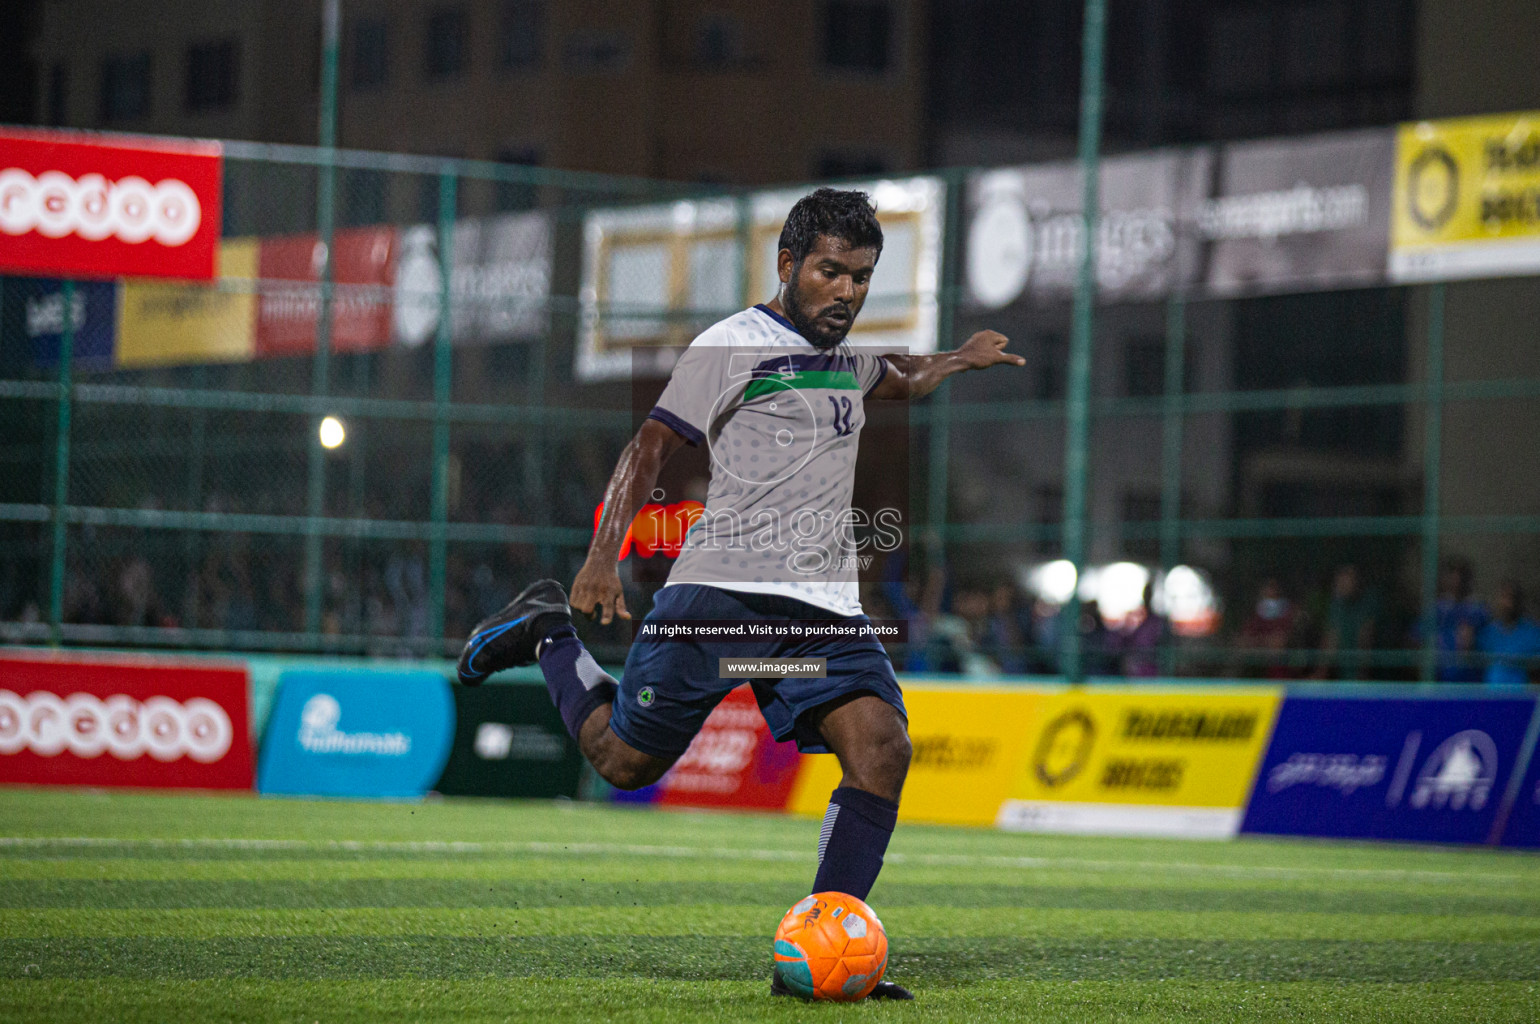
(128, 907)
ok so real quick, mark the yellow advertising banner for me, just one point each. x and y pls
(1467, 198)
(1141, 762)
(162, 323)
(968, 742)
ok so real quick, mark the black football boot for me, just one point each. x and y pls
(509, 638)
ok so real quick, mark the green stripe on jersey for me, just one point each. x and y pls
(803, 380)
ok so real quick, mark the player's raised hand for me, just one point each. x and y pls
(597, 593)
(987, 348)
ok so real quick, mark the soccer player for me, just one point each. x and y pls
(776, 394)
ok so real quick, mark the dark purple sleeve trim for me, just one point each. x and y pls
(778, 318)
(880, 377)
(691, 435)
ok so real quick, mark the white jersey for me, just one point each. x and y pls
(782, 422)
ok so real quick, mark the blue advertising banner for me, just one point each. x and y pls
(358, 734)
(1523, 826)
(32, 315)
(1420, 769)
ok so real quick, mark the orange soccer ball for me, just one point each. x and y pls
(831, 946)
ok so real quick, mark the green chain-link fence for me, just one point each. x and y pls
(162, 483)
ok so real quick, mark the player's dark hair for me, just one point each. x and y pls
(846, 215)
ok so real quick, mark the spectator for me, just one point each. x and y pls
(138, 602)
(241, 611)
(1001, 637)
(946, 645)
(1138, 642)
(1509, 640)
(83, 599)
(1351, 621)
(490, 590)
(967, 627)
(406, 580)
(1271, 627)
(1046, 628)
(381, 617)
(1456, 620)
(1098, 656)
(930, 646)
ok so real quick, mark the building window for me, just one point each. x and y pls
(125, 87)
(57, 111)
(1144, 366)
(842, 164)
(1384, 41)
(508, 196)
(428, 196)
(721, 41)
(1141, 506)
(522, 45)
(212, 76)
(444, 45)
(858, 35)
(430, 193)
(363, 192)
(1240, 49)
(1047, 510)
(1315, 45)
(371, 54)
(1052, 366)
(591, 51)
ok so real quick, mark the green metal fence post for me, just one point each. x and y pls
(534, 446)
(326, 178)
(1171, 429)
(1432, 456)
(358, 469)
(443, 384)
(61, 462)
(1077, 396)
(940, 411)
(191, 543)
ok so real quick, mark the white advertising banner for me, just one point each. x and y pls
(500, 280)
(1026, 233)
(655, 276)
(1290, 215)
(1278, 215)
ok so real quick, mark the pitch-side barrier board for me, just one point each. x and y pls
(123, 720)
(1441, 764)
(357, 734)
(1432, 769)
(1140, 762)
(89, 719)
(383, 734)
(1210, 762)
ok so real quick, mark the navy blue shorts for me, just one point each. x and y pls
(684, 686)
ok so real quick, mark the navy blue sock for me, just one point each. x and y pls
(577, 684)
(855, 835)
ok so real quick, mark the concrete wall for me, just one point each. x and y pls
(768, 116)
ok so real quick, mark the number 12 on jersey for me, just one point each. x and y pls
(842, 410)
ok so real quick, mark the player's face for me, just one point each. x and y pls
(823, 294)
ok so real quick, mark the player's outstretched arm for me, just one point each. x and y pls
(596, 591)
(912, 377)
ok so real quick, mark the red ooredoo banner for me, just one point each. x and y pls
(123, 721)
(73, 204)
(363, 269)
(733, 761)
